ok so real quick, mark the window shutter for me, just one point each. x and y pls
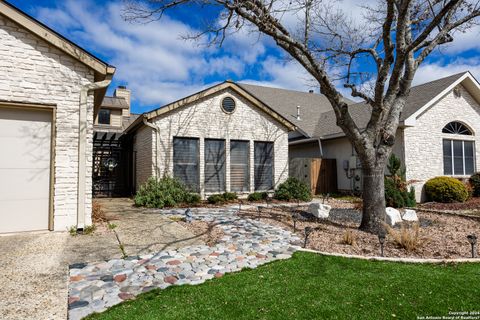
(263, 154)
(185, 162)
(214, 165)
(239, 166)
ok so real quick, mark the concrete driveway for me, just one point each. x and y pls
(34, 266)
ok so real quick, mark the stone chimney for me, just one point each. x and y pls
(123, 92)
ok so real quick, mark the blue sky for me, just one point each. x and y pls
(159, 67)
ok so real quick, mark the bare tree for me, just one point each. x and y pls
(375, 58)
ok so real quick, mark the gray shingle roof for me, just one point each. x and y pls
(285, 102)
(114, 103)
(317, 116)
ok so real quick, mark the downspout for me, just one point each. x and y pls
(320, 147)
(82, 141)
(157, 144)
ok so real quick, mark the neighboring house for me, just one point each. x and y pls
(220, 139)
(112, 154)
(45, 167)
(438, 133)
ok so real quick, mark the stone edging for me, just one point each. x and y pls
(448, 212)
(403, 260)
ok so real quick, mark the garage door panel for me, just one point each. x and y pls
(25, 144)
(30, 216)
(25, 184)
(25, 154)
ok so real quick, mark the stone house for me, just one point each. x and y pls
(220, 139)
(437, 136)
(50, 92)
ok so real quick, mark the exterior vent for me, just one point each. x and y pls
(228, 105)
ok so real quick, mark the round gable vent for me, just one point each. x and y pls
(228, 105)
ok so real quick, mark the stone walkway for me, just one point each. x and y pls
(246, 244)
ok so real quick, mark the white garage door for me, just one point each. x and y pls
(25, 144)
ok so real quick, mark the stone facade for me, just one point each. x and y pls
(38, 73)
(206, 119)
(423, 142)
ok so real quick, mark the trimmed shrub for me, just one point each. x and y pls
(164, 192)
(475, 183)
(293, 189)
(257, 196)
(216, 199)
(192, 198)
(397, 194)
(446, 189)
(230, 196)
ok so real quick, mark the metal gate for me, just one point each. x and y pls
(109, 165)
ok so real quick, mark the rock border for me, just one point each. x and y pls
(390, 259)
(448, 212)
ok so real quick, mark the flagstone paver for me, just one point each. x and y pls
(246, 243)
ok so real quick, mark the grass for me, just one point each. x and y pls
(310, 286)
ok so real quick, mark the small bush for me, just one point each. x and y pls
(216, 199)
(349, 238)
(397, 194)
(257, 196)
(165, 192)
(293, 189)
(408, 237)
(475, 183)
(192, 198)
(230, 196)
(446, 190)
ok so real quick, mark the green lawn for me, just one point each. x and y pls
(311, 286)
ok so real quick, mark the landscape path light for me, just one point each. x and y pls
(308, 231)
(381, 238)
(472, 239)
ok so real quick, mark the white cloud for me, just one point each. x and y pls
(435, 70)
(286, 74)
(151, 58)
(159, 67)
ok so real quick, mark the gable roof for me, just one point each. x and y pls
(101, 68)
(218, 88)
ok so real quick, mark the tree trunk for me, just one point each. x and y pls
(373, 215)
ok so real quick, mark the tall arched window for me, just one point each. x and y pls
(458, 154)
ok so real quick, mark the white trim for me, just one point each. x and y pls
(411, 121)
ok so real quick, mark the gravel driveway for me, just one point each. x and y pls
(34, 266)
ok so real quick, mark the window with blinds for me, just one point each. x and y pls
(214, 165)
(186, 161)
(239, 166)
(263, 156)
(458, 157)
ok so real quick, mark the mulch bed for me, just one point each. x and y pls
(440, 236)
(471, 206)
(208, 232)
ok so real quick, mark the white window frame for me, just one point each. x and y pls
(455, 174)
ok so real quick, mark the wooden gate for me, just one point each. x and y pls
(319, 174)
